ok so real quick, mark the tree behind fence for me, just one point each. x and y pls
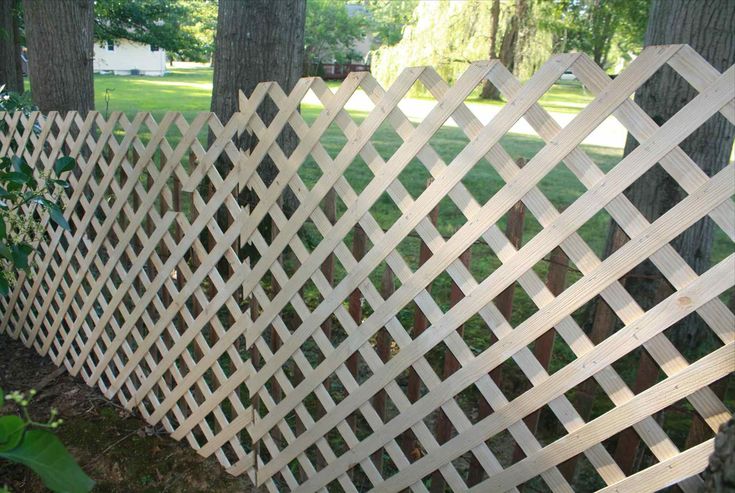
(414, 321)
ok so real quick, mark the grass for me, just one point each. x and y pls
(158, 95)
(189, 91)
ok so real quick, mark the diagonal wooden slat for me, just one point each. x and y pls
(259, 335)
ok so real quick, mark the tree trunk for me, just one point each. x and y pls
(59, 35)
(488, 90)
(706, 26)
(257, 42)
(11, 71)
(719, 477)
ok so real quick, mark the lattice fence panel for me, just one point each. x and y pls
(335, 301)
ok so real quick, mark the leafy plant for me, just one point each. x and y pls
(31, 443)
(22, 197)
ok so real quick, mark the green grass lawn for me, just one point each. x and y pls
(158, 95)
(189, 91)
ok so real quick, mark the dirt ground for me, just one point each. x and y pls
(120, 451)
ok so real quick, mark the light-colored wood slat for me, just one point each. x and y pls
(488, 215)
(58, 233)
(155, 318)
(242, 222)
(659, 476)
(702, 372)
(324, 224)
(717, 316)
(666, 228)
(375, 188)
(422, 207)
(102, 186)
(656, 320)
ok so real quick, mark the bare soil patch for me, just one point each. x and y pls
(119, 450)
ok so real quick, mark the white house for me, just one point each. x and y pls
(124, 57)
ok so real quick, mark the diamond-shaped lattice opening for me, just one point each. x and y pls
(386, 142)
(435, 357)
(589, 399)
(415, 178)
(693, 337)
(413, 251)
(357, 476)
(516, 303)
(482, 181)
(513, 381)
(333, 139)
(549, 428)
(477, 334)
(385, 211)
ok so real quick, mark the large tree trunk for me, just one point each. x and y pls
(707, 27)
(59, 35)
(11, 71)
(257, 41)
(488, 90)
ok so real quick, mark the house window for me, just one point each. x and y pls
(154, 48)
(110, 45)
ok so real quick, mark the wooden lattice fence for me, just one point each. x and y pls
(362, 321)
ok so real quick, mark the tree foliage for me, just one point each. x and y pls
(450, 35)
(388, 19)
(332, 30)
(184, 28)
(606, 30)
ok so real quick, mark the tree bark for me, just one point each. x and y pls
(719, 477)
(59, 35)
(706, 27)
(257, 41)
(11, 70)
(488, 90)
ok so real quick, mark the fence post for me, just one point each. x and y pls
(504, 304)
(355, 303)
(382, 343)
(602, 326)
(544, 346)
(443, 426)
(420, 323)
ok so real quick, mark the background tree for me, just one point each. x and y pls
(706, 27)
(488, 90)
(388, 18)
(184, 28)
(59, 35)
(11, 70)
(256, 42)
(331, 31)
(599, 28)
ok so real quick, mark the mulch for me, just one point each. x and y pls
(119, 450)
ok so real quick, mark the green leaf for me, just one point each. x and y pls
(19, 256)
(5, 251)
(46, 456)
(11, 431)
(58, 217)
(20, 165)
(18, 178)
(4, 287)
(64, 164)
(2, 398)
(3, 230)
